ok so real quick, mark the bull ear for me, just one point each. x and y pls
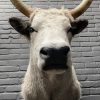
(78, 25)
(21, 26)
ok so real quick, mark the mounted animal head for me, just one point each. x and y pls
(50, 32)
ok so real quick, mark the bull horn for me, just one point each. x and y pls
(25, 9)
(80, 9)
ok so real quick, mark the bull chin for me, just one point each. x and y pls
(55, 72)
(55, 68)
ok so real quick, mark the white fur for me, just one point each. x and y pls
(51, 85)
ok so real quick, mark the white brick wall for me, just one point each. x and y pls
(14, 50)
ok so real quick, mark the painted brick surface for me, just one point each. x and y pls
(14, 50)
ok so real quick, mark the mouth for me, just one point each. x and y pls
(55, 66)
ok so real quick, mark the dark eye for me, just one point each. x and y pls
(30, 29)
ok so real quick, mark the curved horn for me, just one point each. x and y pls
(26, 10)
(80, 9)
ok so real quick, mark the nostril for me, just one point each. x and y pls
(44, 51)
(65, 50)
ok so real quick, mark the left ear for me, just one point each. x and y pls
(78, 25)
(21, 26)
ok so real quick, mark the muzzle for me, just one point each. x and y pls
(55, 58)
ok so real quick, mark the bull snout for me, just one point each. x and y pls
(50, 52)
(55, 58)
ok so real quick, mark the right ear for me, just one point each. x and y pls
(21, 26)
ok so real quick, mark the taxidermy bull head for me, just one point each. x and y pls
(50, 74)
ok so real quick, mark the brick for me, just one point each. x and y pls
(97, 25)
(23, 68)
(14, 56)
(8, 96)
(90, 84)
(96, 59)
(98, 64)
(19, 74)
(85, 91)
(2, 63)
(95, 77)
(81, 39)
(94, 39)
(91, 25)
(4, 36)
(76, 54)
(8, 46)
(81, 49)
(3, 75)
(89, 18)
(88, 71)
(82, 59)
(6, 6)
(89, 34)
(4, 51)
(82, 77)
(87, 54)
(4, 41)
(93, 91)
(89, 44)
(96, 48)
(19, 51)
(75, 44)
(96, 9)
(91, 65)
(14, 36)
(8, 69)
(91, 13)
(9, 74)
(2, 23)
(19, 62)
(9, 81)
(13, 46)
(13, 88)
(94, 29)
(79, 65)
(2, 89)
(91, 97)
(16, 40)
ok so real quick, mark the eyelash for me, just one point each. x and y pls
(31, 29)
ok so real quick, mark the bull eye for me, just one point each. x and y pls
(30, 30)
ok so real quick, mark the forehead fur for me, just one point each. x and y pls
(52, 11)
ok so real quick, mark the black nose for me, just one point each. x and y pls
(50, 52)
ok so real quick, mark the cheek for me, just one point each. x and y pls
(40, 63)
(32, 36)
(36, 43)
(69, 37)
